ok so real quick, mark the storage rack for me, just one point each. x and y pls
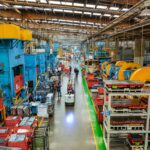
(109, 113)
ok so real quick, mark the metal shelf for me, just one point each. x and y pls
(110, 112)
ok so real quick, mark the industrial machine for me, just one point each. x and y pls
(31, 71)
(12, 67)
(41, 63)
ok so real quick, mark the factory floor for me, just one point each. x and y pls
(71, 127)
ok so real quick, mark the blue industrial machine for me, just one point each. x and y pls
(12, 65)
(41, 63)
(46, 45)
(31, 71)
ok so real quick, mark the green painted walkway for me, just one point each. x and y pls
(97, 129)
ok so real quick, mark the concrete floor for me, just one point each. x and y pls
(70, 128)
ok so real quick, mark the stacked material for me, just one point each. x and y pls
(12, 121)
(18, 140)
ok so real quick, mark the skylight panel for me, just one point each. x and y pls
(55, 2)
(78, 4)
(101, 7)
(90, 5)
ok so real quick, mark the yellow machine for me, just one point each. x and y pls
(141, 74)
(127, 66)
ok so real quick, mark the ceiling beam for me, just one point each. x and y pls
(74, 8)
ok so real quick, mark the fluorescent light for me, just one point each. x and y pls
(68, 11)
(50, 21)
(31, 0)
(54, 19)
(47, 9)
(107, 15)
(125, 9)
(44, 21)
(116, 16)
(87, 13)
(18, 19)
(90, 6)
(37, 8)
(66, 3)
(90, 23)
(5, 18)
(17, 6)
(54, 2)
(101, 7)
(78, 4)
(83, 22)
(58, 10)
(12, 18)
(97, 14)
(43, 1)
(78, 12)
(83, 25)
(114, 8)
(76, 21)
(98, 24)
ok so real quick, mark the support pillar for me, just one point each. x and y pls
(139, 51)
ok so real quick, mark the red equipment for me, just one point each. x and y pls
(18, 83)
(12, 121)
(18, 140)
(93, 82)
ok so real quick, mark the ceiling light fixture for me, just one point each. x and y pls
(68, 11)
(114, 8)
(107, 15)
(90, 6)
(43, 1)
(97, 14)
(87, 13)
(101, 7)
(58, 10)
(78, 4)
(78, 12)
(66, 3)
(55, 2)
(125, 9)
(116, 16)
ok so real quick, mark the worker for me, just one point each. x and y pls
(70, 69)
(59, 89)
(31, 99)
(76, 71)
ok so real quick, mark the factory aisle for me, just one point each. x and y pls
(71, 127)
